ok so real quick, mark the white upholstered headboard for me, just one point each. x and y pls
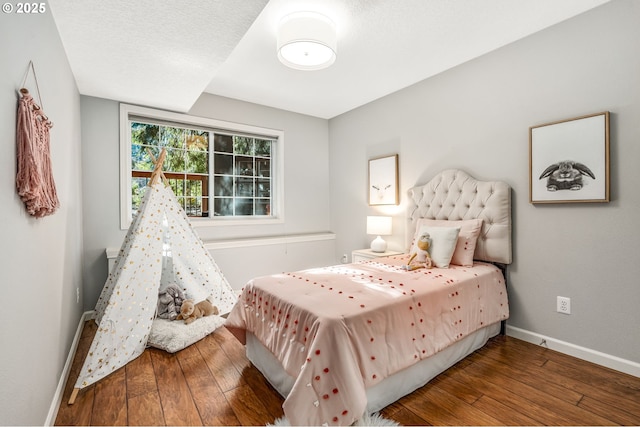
(455, 195)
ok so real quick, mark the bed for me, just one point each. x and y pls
(343, 340)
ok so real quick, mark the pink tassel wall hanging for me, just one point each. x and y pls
(34, 180)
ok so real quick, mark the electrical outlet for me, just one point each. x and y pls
(345, 258)
(77, 295)
(563, 305)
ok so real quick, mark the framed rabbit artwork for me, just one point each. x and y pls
(569, 160)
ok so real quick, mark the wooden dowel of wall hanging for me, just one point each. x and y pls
(36, 108)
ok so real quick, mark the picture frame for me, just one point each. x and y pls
(383, 181)
(569, 160)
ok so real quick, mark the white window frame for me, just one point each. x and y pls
(277, 186)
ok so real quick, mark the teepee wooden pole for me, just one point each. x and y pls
(74, 394)
(157, 169)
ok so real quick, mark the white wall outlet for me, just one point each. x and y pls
(563, 305)
(77, 295)
(345, 258)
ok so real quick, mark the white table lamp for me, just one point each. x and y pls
(380, 226)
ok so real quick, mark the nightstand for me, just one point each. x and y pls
(365, 254)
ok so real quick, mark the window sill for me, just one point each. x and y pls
(225, 221)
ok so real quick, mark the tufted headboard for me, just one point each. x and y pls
(455, 195)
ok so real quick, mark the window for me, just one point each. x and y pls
(241, 175)
(220, 172)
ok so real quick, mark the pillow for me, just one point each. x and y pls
(174, 335)
(467, 238)
(443, 243)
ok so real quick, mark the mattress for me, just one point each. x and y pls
(339, 331)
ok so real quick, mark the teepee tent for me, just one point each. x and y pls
(160, 247)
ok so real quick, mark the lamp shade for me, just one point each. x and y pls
(379, 225)
(307, 41)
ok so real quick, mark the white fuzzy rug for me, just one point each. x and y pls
(367, 420)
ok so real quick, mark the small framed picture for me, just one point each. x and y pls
(569, 160)
(383, 181)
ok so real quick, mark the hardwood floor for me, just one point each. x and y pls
(508, 382)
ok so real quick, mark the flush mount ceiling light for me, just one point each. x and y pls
(307, 41)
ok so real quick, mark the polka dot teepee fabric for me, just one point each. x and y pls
(160, 247)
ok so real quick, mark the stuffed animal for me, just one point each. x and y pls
(421, 256)
(169, 302)
(190, 311)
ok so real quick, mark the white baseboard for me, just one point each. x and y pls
(57, 397)
(594, 356)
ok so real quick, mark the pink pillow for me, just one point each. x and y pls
(467, 238)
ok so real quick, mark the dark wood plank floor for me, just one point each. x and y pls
(508, 382)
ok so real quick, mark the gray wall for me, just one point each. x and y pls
(306, 192)
(40, 259)
(476, 117)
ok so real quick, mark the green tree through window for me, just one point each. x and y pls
(241, 183)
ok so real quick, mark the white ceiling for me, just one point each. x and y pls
(164, 53)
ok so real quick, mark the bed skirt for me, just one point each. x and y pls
(391, 388)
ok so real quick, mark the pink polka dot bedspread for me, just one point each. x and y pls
(341, 329)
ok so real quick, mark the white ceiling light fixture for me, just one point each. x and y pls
(307, 41)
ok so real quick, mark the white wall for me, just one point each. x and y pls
(476, 117)
(40, 259)
(306, 193)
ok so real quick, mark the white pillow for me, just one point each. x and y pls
(467, 238)
(443, 243)
(174, 335)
